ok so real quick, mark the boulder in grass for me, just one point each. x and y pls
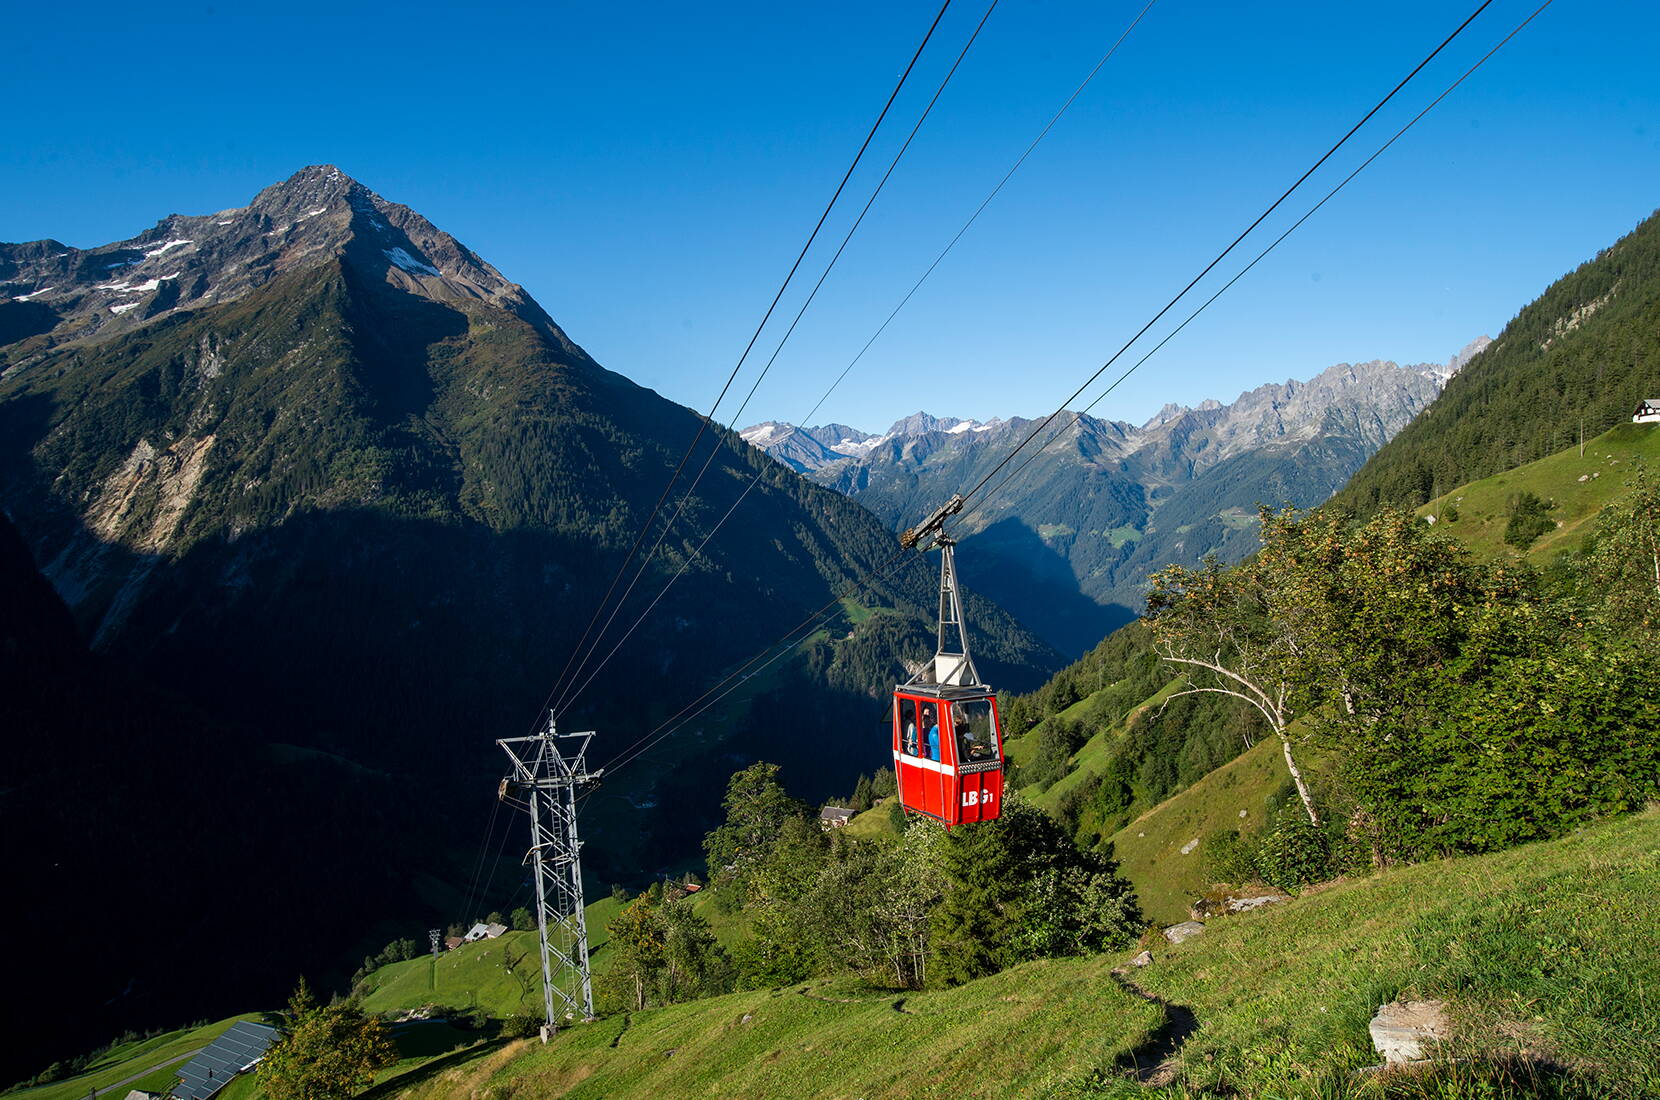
(1178, 933)
(1403, 1031)
(1143, 959)
(1248, 902)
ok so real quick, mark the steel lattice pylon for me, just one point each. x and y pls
(549, 768)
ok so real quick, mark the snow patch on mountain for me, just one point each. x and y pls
(410, 263)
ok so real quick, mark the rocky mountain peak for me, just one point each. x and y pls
(1466, 353)
(58, 294)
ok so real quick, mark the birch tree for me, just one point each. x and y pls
(1217, 625)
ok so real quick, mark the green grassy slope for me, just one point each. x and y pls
(475, 975)
(1553, 948)
(1094, 756)
(471, 976)
(874, 822)
(1149, 849)
(1577, 485)
(1018, 1033)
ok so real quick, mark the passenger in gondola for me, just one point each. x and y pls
(933, 733)
(910, 739)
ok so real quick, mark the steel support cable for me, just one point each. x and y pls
(570, 694)
(1275, 205)
(1259, 258)
(1019, 162)
(703, 424)
(494, 870)
(974, 217)
(750, 668)
(655, 736)
(478, 864)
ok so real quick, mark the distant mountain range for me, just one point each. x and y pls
(1068, 543)
(328, 482)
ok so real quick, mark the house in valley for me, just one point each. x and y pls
(1648, 412)
(835, 817)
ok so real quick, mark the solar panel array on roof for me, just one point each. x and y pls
(234, 1051)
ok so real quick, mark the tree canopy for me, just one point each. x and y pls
(325, 1052)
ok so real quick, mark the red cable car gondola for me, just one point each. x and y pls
(947, 739)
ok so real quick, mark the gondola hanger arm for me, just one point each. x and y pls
(934, 525)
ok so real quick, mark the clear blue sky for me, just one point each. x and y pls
(648, 171)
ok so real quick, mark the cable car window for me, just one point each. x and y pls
(929, 727)
(909, 739)
(975, 738)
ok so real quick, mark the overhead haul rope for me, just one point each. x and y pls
(693, 710)
(752, 667)
(703, 424)
(972, 218)
(1259, 258)
(1220, 256)
(572, 691)
(478, 862)
(1021, 160)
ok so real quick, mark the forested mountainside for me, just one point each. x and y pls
(1068, 543)
(1572, 364)
(320, 471)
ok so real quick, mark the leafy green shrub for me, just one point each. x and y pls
(1294, 852)
(1449, 514)
(1229, 857)
(1527, 520)
(1548, 744)
(521, 1025)
(471, 1018)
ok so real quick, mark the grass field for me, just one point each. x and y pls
(1149, 849)
(1019, 1033)
(473, 975)
(1577, 486)
(1551, 949)
(874, 822)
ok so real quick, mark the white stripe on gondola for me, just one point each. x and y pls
(923, 762)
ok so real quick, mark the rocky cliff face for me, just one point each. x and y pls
(1067, 543)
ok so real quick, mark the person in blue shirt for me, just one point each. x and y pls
(933, 733)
